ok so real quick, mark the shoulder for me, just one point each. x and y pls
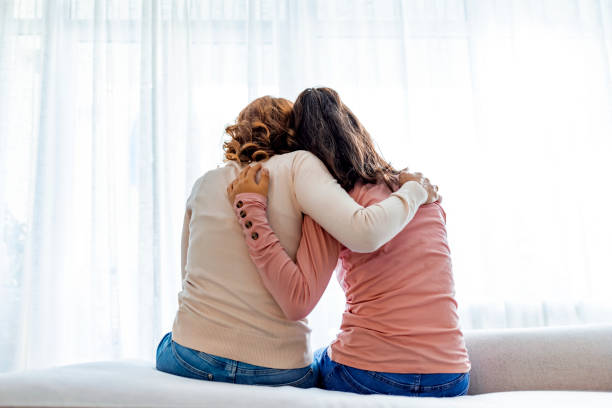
(218, 175)
(211, 183)
(303, 159)
(207, 177)
(304, 155)
(432, 212)
(438, 206)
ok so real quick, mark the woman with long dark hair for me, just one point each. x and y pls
(228, 327)
(400, 330)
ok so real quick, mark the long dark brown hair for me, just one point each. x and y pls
(326, 127)
(261, 131)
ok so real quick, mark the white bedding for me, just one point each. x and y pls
(138, 384)
(505, 365)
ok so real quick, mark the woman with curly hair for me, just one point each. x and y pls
(228, 327)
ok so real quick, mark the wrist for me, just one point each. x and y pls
(250, 210)
(252, 198)
(416, 191)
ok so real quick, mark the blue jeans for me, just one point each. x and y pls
(339, 377)
(175, 359)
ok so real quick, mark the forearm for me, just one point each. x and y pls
(359, 229)
(374, 226)
(296, 286)
(365, 229)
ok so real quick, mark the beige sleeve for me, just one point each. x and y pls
(359, 229)
(185, 242)
(194, 191)
(186, 222)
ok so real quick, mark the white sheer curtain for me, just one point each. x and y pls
(109, 110)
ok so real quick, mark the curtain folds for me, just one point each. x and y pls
(110, 109)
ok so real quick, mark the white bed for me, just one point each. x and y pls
(553, 367)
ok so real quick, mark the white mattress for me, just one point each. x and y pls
(138, 384)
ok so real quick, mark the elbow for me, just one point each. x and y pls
(369, 237)
(295, 315)
(366, 243)
(300, 304)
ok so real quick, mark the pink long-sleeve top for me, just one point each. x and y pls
(401, 314)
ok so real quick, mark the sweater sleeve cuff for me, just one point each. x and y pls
(412, 192)
(249, 198)
(250, 210)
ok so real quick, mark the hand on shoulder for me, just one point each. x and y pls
(246, 182)
(432, 189)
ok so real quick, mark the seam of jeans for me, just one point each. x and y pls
(354, 383)
(325, 379)
(299, 381)
(189, 367)
(331, 372)
(442, 387)
(264, 371)
(162, 341)
(210, 359)
(405, 386)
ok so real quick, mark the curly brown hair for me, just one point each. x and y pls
(261, 131)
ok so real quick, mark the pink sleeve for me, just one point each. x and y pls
(296, 286)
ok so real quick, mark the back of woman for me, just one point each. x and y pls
(223, 308)
(401, 315)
